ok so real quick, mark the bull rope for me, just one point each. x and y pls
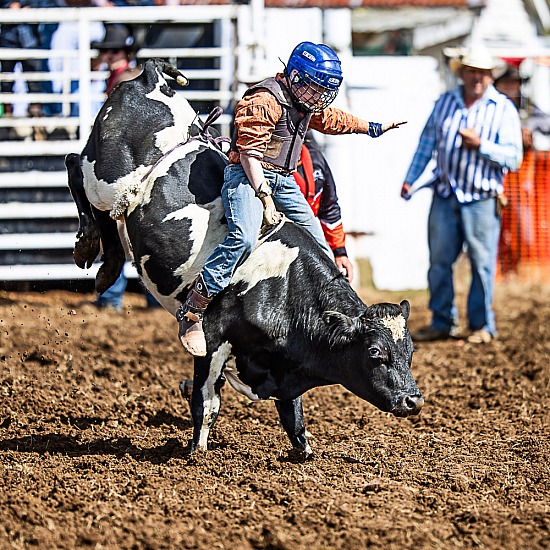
(203, 135)
(267, 231)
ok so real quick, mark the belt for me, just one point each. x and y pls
(276, 169)
(271, 168)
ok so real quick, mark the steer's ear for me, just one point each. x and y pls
(405, 308)
(342, 329)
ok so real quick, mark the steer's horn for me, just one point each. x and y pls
(182, 80)
(170, 70)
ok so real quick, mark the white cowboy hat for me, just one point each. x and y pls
(476, 57)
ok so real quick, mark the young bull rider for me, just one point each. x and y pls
(271, 121)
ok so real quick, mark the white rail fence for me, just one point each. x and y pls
(75, 66)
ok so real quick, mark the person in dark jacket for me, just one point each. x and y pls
(116, 51)
(316, 182)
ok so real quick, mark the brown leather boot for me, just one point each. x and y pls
(190, 315)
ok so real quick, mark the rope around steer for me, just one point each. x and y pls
(202, 135)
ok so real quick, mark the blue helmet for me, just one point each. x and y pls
(314, 74)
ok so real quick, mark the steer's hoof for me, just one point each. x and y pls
(86, 248)
(108, 273)
(197, 450)
(300, 455)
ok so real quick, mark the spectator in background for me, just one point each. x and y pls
(315, 180)
(534, 120)
(20, 35)
(474, 133)
(66, 37)
(122, 3)
(45, 34)
(117, 50)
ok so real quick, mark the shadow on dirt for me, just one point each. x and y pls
(119, 447)
(165, 418)
(158, 420)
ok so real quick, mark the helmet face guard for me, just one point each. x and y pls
(309, 96)
(314, 76)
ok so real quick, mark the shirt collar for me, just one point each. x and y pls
(490, 96)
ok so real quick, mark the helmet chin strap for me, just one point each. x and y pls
(301, 107)
(289, 81)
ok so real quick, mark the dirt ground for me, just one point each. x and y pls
(94, 434)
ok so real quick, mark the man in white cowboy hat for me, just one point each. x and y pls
(474, 134)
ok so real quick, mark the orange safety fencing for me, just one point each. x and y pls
(524, 247)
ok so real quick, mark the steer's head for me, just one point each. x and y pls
(376, 351)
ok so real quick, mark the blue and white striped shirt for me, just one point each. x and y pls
(471, 174)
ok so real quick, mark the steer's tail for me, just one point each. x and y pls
(171, 71)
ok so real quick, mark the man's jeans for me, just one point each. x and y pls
(113, 295)
(451, 226)
(244, 213)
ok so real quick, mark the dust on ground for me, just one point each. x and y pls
(94, 435)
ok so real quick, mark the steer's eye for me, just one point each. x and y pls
(375, 353)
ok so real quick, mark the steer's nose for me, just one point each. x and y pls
(413, 403)
(409, 405)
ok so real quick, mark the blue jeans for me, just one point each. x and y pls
(244, 213)
(452, 225)
(113, 295)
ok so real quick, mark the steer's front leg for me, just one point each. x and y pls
(291, 415)
(205, 398)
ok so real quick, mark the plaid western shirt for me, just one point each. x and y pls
(472, 175)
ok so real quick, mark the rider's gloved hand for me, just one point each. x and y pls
(271, 215)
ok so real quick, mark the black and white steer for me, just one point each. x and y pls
(287, 323)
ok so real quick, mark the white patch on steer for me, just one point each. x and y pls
(183, 114)
(396, 325)
(271, 259)
(211, 401)
(205, 233)
(115, 196)
(100, 193)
